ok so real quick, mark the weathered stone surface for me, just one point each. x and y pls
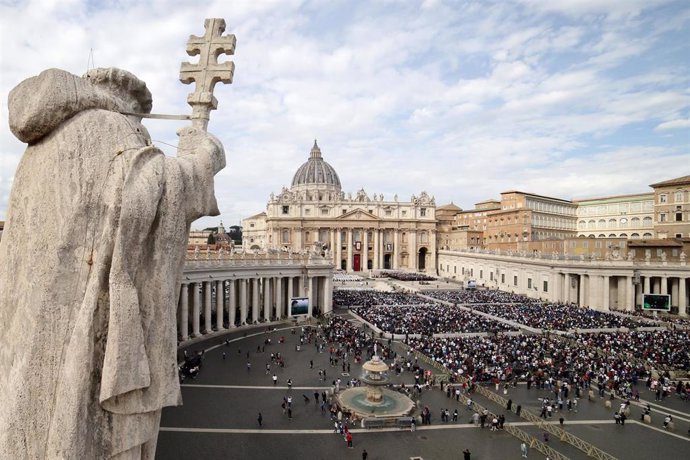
(90, 260)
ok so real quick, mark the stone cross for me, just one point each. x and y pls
(208, 71)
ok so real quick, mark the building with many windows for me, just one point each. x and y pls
(672, 208)
(624, 216)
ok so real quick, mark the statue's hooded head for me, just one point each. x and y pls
(125, 86)
(40, 104)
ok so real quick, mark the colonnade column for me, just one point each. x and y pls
(377, 249)
(607, 293)
(629, 294)
(208, 325)
(338, 249)
(682, 300)
(310, 294)
(556, 283)
(365, 249)
(255, 300)
(582, 291)
(291, 289)
(183, 326)
(412, 250)
(196, 310)
(396, 248)
(331, 245)
(328, 295)
(566, 287)
(664, 285)
(220, 301)
(232, 303)
(647, 287)
(279, 298)
(267, 298)
(349, 250)
(244, 301)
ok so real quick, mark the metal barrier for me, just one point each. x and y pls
(588, 448)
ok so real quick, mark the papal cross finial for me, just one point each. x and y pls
(207, 72)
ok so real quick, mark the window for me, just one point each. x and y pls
(679, 217)
(251, 225)
(529, 283)
(286, 209)
(481, 274)
(371, 211)
(503, 278)
(679, 235)
(515, 280)
(663, 198)
(659, 252)
(546, 286)
(404, 213)
(422, 212)
(286, 236)
(388, 212)
(678, 197)
(344, 211)
(324, 211)
(662, 217)
(674, 253)
(307, 211)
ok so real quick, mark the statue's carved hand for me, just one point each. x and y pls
(194, 141)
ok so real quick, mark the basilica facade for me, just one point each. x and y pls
(359, 232)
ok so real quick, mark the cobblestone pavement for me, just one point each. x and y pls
(219, 417)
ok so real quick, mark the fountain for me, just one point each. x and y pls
(373, 400)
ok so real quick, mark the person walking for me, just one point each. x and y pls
(466, 454)
(523, 450)
(348, 438)
(260, 419)
(365, 454)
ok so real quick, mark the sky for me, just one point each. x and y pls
(462, 99)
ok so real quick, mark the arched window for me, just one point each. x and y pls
(613, 223)
(601, 223)
(647, 222)
(591, 224)
(623, 235)
(601, 235)
(647, 235)
(635, 222)
(612, 235)
(635, 236)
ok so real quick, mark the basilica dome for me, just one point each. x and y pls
(316, 173)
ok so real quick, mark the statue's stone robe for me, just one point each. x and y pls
(90, 261)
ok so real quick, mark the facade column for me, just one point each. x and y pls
(331, 244)
(291, 289)
(365, 249)
(232, 303)
(208, 325)
(310, 294)
(607, 293)
(556, 286)
(595, 292)
(646, 285)
(220, 301)
(396, 248)
(664, 285)
(412, 250)
(377, 249)
(279, 298)
(196, 310)
(682, 297)
(432, 252)
(349, 250)
(338, 250)
(674, 291)
(255, 300)
(582, 291)
(183, 326)
(328, 295)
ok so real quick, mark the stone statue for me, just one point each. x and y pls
(87, 299)
(630, 256)
(663, 256)
(682, 256)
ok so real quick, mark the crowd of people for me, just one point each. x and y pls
(538, 359)
(479, 296)
(661, 347)
(405, 276)
(369, 297)
(428, 319)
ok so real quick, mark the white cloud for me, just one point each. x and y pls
(463, 100)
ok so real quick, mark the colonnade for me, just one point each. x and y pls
(207, 306)
(601, 285)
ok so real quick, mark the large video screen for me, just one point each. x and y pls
(299, 306)
(661, 302)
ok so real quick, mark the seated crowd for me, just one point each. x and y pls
(478, 296)
(365, 298)
(405, 276)
(666, 348)
(428, 319)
